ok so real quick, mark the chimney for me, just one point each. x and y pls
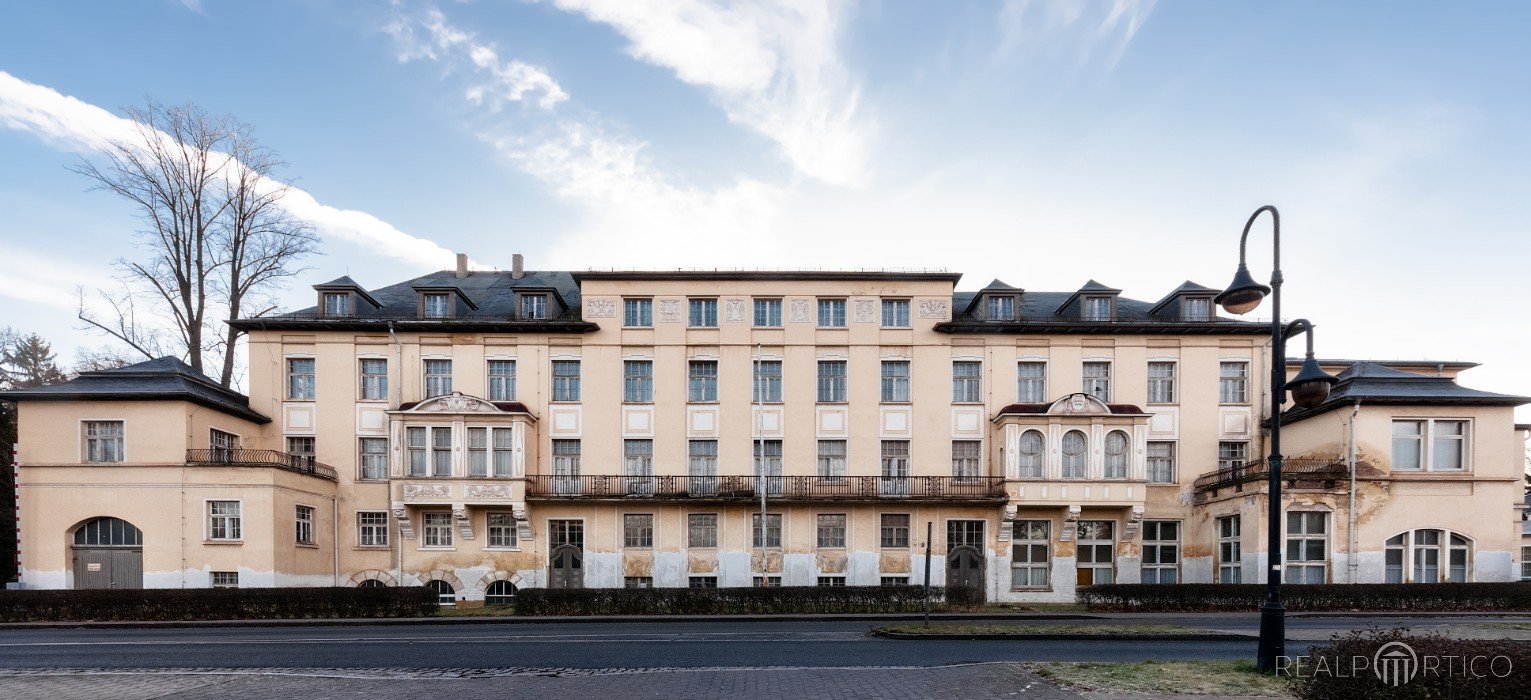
(462, 265)
(517, 266)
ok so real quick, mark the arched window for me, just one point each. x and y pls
(108, 532)
(1116, 454)
(445, 594)
(1427, 556)
(500, 593)
(371, 583)
(1033, 455)
(1074, 463)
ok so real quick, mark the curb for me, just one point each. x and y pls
(514, 620)
(1206, 637)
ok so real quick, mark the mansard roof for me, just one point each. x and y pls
(1047, 312)
(1373, 383)
(161, 379)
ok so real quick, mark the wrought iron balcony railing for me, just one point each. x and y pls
(748, 488)
(222, 456)
(1259, 470)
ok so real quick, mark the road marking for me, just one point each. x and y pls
(521, 639)
(464, 673)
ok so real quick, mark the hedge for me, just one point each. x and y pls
(1461, 669)
(1382, 597)
(722, 601)
(160, 604)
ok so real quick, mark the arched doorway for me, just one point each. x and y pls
(964, 574)
(108, 553)
(566, 567)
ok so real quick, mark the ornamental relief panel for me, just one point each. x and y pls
(600, 308)
(866, 311)
(933, 308)
(423, 491)
(495, 491)
(733, 310)
(669, 311)
(800, 310)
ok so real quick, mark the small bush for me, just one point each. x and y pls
(1461, 669)
(1380, 597)
(164, 604)
(722, 601)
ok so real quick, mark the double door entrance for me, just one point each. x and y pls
(108, 553)
(566, 558)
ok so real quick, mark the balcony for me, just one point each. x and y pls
(1322, 469)
(224, 457)
(777, 488)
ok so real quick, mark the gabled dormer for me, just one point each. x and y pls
(997, 302)
(442, 302)
(1188, 303)
(1094, 302)
(343, 298)
(539, 304)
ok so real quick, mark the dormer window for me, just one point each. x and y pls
(1196, 309)
(1097, 308)
(438, 305)
(337, 304)
(534, 307)
(1001, 309)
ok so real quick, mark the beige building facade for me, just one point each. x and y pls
(481, 432)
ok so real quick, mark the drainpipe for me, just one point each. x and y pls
(1352, 563)
(335, 535)
(398, 537)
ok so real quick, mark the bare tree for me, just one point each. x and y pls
(216, 235)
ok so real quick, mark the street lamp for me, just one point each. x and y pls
(1309, 389)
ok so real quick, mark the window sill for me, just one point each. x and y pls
(436, 549)
(292, 400)
(502, 549)
(896, 403)
(1047, 589)
(224, 542)
(832, 403)
(306, 545)
(766, 328)
(372, 548)
(638, 403)
(371, 481)
(365, 400)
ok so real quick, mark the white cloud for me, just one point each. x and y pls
(45, 280)
(429, 37)
(1075, 29)
(80, 126)
(773, 67)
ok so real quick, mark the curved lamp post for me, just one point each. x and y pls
(1309, 388)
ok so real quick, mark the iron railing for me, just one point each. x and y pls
(747, 488)
(226, 457)
(1259, 470)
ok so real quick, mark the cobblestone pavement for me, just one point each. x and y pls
(981, 680)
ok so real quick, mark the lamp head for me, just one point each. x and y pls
(1311, 385)
(1243, 294)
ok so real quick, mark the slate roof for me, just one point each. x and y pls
(1051, 312)
(1118, 409)
(1186, 287)
(1377, 384)
(163, 379)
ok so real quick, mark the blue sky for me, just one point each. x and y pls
(1041, 143)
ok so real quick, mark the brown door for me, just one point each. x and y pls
(964, 570)
(566, 567)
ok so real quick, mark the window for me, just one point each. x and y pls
(502, 380)
(1117, 449)
(772, 529)
(1196, 309)
(831, 581)
(831, 531)
(566, 466)
(1233, 382)
(767, 582)
(1232, 455)
(1033, 460)
(831, 313)
(1525, 563)
(1097, 308)
(1030, 544)
(1161, 382)
(103, 441)
(1230, 550)
(1426, 550)
(704, 313)
(373, 379)
(534, 307)
(895, 530)
(893, 581)
(1096, 551)
(441, 451)
(223, 521)
(895, 467)
(566, 532)
(638, 381)
(768, 462)
(1031, 382)
(1408, 444)
(1448, 445)
(304, 518)
(895, 313)
(1307, 547)
(638, 466)
(768, 381)
(702, 582)
(831, 381)
(637, 313)
(967, 465)
(702, 530)
(703, 385)
(1161, 462)
(372, 528)
(1001, 309)
(301, 447)
(491, 452)
(967, 382)
(767, 313)
(638, 530)
(300, 378)
(964, 533)
(1097, 380)
(430, 451)
(1161, 551)
(832, 460)
(565, 380)
(1075, 464)
(703, 467)
(446, 595)
(438, 377)
(337, 304)
(895, 381)
(500, 593)
(437, 530)
(637, 581)
(224, 579)
(438, 306)
(222, 440)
